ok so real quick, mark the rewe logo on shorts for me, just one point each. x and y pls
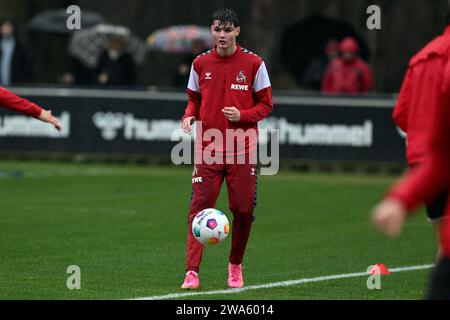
(197, 180)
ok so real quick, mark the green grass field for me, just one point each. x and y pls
(125, 227)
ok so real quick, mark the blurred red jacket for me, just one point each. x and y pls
(343, 76)
(416, 106)
(11, 101)
(425, 182)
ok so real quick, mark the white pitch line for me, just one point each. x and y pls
(281, 283)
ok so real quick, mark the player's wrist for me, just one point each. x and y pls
(187, 117)
(244, 116)
(39, 113)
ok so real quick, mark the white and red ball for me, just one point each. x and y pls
(210, 226)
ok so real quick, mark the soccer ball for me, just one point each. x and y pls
(210, 226)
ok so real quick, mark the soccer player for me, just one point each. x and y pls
(229, 90)
(416, 109)
(13, 102)
(424, 184)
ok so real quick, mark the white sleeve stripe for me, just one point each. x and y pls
(262, 80)
(193, 81)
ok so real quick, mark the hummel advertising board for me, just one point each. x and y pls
(143, 123)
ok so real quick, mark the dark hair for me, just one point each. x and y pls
(225, 17)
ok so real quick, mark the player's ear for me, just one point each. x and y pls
(238, 30)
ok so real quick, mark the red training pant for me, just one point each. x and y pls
(206, 184)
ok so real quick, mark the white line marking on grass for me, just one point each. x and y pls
(281, 283)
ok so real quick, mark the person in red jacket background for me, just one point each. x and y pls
(13, 102)
(416, 108)
(348, 73)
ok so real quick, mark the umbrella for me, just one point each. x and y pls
(55, 21)
(88, 44)
(179, 39)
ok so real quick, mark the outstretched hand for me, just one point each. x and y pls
(389, 217)
(46, 116)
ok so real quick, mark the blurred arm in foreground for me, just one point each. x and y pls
(13, 102)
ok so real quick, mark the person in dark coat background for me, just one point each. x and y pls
(76, 73)
(348, 73)
(115, 66)
(181, 76)
(312, 77)
(15, 62)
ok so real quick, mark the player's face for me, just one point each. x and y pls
(348, 56)
(224, 35)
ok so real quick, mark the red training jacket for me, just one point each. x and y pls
(418, 100)
(343, 76)
(240, 80)
(428, 180)
(11, 101)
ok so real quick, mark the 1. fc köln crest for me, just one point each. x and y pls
(241, 77)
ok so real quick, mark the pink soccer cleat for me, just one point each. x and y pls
(191, 281)
(235, 279)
